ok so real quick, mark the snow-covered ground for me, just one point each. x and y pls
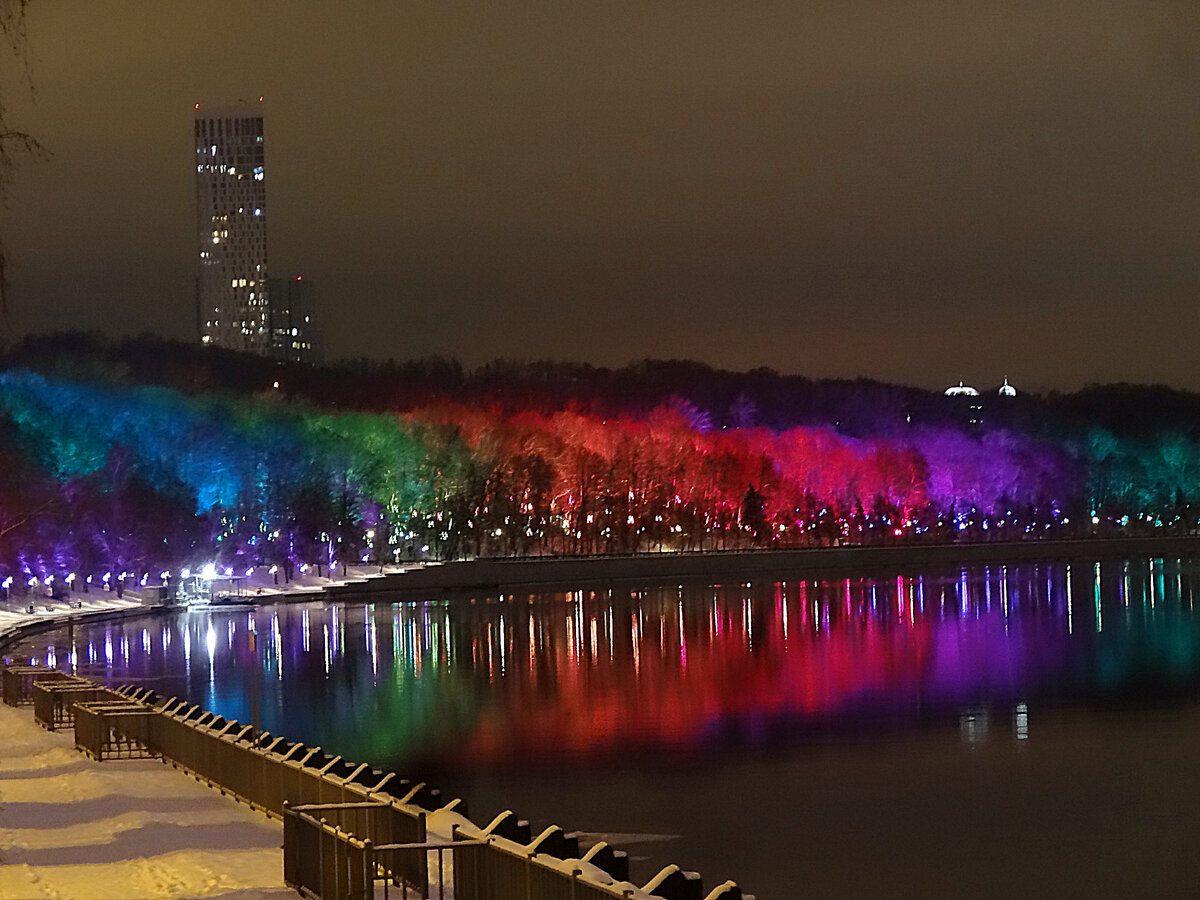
(15, 612)
(123, 829)
(75, 829)
(71, 827)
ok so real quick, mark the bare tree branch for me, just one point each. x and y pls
(13, 143)
(23, 519)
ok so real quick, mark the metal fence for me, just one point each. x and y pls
(322, 860)
(18, 682)
(272, 774)
(262, 769)
(342, 849)
(327, 855)
(54, 701)
(116, 730)
(347, 827)
(488, 870)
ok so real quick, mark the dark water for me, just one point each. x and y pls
(1019, 726)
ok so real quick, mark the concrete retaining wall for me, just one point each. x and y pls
(492, 575)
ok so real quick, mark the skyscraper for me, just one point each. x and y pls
(232, 306)
(293, 334)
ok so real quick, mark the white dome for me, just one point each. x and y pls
(1007, 390)
(961, 390)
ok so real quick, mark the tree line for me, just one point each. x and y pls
(145, 455)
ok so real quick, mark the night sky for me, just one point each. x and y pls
(913, 191)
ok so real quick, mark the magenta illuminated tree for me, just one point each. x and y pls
(899, 478)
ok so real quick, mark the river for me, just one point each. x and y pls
(989, 730)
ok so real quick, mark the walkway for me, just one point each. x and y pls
(122, 829)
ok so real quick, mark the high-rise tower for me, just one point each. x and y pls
(293, 335)
(232, 306)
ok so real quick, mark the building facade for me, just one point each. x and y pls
(232, 303)
(969, 403)
(293, 335)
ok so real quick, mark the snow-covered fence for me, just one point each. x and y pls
(321, 860)
(491, 871)
(340, 849)
(327, 855)
(335, 851)
(118, 730)
(358, 825)
(271, 773)
(19, 680)
(54, 701)
(359, 843)
(375, 824)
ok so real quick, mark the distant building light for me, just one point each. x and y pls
(961, 390)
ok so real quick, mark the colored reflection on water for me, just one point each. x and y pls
(476, 684)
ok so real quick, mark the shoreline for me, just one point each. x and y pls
(98, 605)
(568, 572)
(539, 573)
(491, 574)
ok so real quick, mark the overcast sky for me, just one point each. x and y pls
(912, 191)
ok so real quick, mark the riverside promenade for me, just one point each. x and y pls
(71, 827)
(74, 828)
